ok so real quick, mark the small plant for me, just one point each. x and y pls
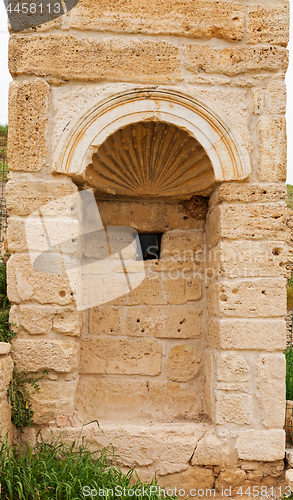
(7, 329)
(59, 471)
(4, 130)
(289, 196)
(289, 374)
(19, 399)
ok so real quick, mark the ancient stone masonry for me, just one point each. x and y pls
(173, 113)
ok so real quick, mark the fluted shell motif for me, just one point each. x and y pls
(150, 159)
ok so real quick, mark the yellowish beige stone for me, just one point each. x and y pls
(6, 369)
(251, 192)
(233, 408)
(113, 356)
(232, 368)
(28, 116)
(88, 58)
(36, 355)
(257, 101)
(54, 398)
(193, 479)
(183, 363)
(271, 377)
(209, 451)
(268, 23)
(261, 445)
(276, 97)
(227, 478)
(273, 148)
(182, 246)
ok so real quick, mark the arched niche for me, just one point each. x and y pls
(97, 122)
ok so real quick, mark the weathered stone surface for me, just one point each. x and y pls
(260, 334)
(28, 115)
(275, 97)
(209, 451)
(163, 322)
(53, 399)
(247, 259)
(112, 356)
(257, 101)
(182, 245)
(67, 322)
(183, 363)
(83, 58)
(232, 61)
(268, 23)
(232, 368)
(5, 420)
(180, 290)
(147, 217)
(266, 446)
(6, 369)
(249, 192)
(143, 400)
(272, 148)
(262, 297)
(105, 320)
(4, 348)
(203, 20)
(42, 320)
(255, 221)
(36, 355)
(227, 478)
(24, 283)
(24, 197)
(193, 479)
(233, 408)
(149, 292)
(271, 377)
(289, 478)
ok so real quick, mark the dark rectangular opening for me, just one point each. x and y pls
(150, 245)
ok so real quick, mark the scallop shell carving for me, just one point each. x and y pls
(150, 159)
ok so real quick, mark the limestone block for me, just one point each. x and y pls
(203, 20)
(24, 283)
(36, 355)
(146, 400)
(263, 297)
(276, 97)
(272, 148)
(113, 356)
(232, 61)
(259, 334)
(67, 322)
(41, 320)
(150, 291)
(4, 348)
(289, 457)
(105, 320)
(268, 23)
(53, 398)
(24, 197)
(84, 58)
(193, 479)
(261, 445)
(227, 478)
(233, 408)
(271, 375)
(248, 192)
(232, 368)
(255, 221)
(6, 369)
(28, 115)
(5, 419)
(147, 217)
(182, 245)
(247, 259)
(180, 290)
(163, 322)
(257, 101)
(209, 451)
(183, 363)
(289, 478)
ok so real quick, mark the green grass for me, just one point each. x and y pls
(58, 471)
(4, 130)
(289, 196)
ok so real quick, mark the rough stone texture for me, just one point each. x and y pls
(85, 58)
(233, 408)
(232, 61)
(5, 420)
(266, 446)
(234, 477)
(4, 348)
(275, 97)
(183, 363)
(6, 369)
(273, 148)
(258, 334)
(163, 322)
(194, 478)
(249, 193)
(142, 400)
(289, 478)
(37, 355)
(112, 356)
(24, 197)
(263, 297)
(232, 368)
(257, 101)
(28, 115)
(271, 389)
(209, 451)
(24, 283)
(203, 20)
(42, 320)
(54, 398)
(268, 23)
(182, 245)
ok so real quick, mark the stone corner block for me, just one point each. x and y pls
(261, 445)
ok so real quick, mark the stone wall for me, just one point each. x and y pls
(190, 371)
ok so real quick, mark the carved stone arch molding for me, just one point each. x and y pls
(212, 151)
